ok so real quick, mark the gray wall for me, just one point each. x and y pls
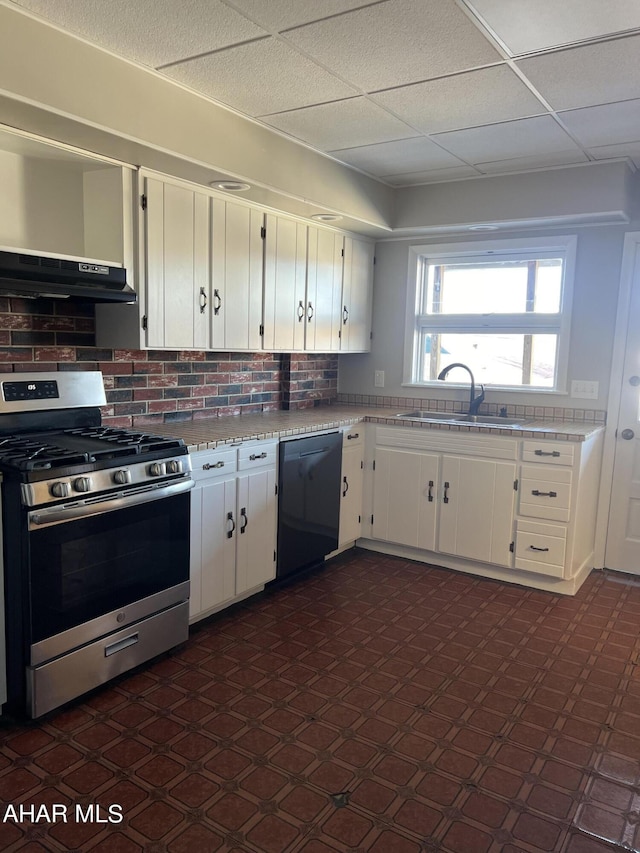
(598, 260)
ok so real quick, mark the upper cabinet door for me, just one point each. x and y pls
(176, 260)
(357, 292)
(237, 249)
(324, 290)
(285, 267)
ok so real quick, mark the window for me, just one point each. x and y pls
(502, 308)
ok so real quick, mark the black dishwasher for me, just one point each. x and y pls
(309, 500)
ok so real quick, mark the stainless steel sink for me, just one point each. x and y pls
(452, 418)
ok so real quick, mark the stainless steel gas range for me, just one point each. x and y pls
(95, 530)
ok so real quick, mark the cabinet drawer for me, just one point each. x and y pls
(353, 436)
(213, 463)
(545, 492)
(549, 452)
(257, 455)
(540, 548)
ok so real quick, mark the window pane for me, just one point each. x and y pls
(507, 287)
(495, 359)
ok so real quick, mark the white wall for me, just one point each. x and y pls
(599, 255)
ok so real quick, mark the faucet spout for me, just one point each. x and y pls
(474, 402)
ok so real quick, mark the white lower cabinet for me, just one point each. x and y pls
(351, 485)
(233, 525)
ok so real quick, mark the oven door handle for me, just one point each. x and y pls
(55, 515)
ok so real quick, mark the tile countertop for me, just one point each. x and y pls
(208, 433)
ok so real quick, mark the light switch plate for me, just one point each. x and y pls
(378, 378)
(584, 389)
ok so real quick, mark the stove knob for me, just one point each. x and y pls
(156, 469)
(82, 484)
(174, 466)
(61, 489)
(122, 477)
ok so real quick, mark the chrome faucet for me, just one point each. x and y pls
(474, 402)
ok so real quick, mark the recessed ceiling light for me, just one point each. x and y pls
(483, 228)
(326, 217)
(230, 186)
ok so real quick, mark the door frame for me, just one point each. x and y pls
(631, 251)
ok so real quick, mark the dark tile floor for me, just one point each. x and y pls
(379, 705)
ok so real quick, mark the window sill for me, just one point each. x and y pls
(464, 386)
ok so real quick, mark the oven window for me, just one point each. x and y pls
(88, 567)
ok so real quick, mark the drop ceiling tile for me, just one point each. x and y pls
(464, 100)
(534, 161)
(431, 176)
(607, 152)
(152, 33)
(608, 124)
(396, 42)
(343, 124)
(507, 140)
(586, 76)
(404, 155)
(237, 75)
(525, 26)
(277, 15)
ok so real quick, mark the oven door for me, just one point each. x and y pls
(96, 568)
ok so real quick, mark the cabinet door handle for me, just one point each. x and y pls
(345, 315)
(243, 516)
(547, 453)
(300, 311)
(534, 548)
(255, 456)
(233, 525)
(354, 435)
(203, 300)
(544, 494)
(430, 492)
(309, 312)
(346, 487)
(445, 496)
(217, 302)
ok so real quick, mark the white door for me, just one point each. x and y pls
(351, 492)
(324, 290)
(623, 533)
(285, 267)
(256, 533)
(476, 515)
(357, 291)
(218, 529)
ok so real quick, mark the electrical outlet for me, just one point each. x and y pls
(378, 378)
(584, 389)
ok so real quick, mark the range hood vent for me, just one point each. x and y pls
(34, 276)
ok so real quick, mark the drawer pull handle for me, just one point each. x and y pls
(121, 645)
(445, 496)
(534, 548)
(547, 453)
(430, 492)
(255, 456)
(539, 494)
(233, 525)
(209, 465)
(355, 435)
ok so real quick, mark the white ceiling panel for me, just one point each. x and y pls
(152, 32)
(525, 26)
(608, 152)
(396, 42)
(589, 75)
(343, 124)
(507, 140)
(404, 155)
(604, 125)
(431, 176)
(463, 100)
(534, 161)
(278, 15)
(263, 76)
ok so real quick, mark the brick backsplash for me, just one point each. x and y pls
(144, 387)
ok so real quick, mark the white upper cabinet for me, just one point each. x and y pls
(285, 282)
(176, 265)
(357, 292)
(324, 290)
(237, 253)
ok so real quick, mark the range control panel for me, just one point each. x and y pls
(39, 390)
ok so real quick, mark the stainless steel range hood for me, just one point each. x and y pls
(34, 276)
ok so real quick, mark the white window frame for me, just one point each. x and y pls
(527, 247)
